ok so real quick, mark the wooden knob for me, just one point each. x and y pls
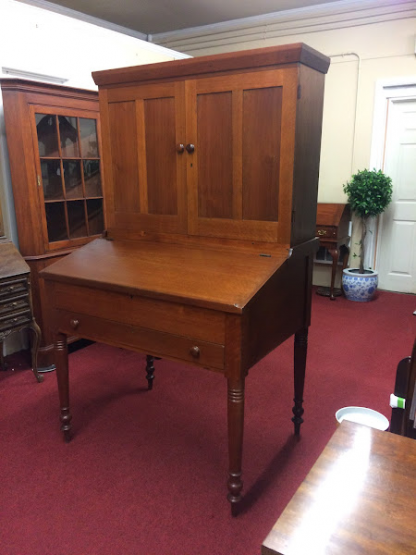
(195, 352)
(190, 148)
(180, 148)
(74, 323)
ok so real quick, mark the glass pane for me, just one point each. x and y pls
(55, 220)
(92, 178)
(95, 216)
(89, 142)
(73, 182)
(51, 179)
(76, 219)
(47, 134)
(69, 136)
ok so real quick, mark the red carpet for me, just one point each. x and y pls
(145, 473)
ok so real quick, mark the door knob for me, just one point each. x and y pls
(190, 148)
(180, 148)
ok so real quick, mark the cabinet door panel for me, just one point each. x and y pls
(215, 155)
(67, 160)
(152, 194)
(159, 121)
(262, 109)
(243, 127)
(122, 119)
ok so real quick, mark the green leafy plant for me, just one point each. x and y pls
(369, 193)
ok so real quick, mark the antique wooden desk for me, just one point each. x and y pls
(16, 311)
(209, 249)
(359, 497)
(332, 223)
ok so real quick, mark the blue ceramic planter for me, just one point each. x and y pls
(359, 287)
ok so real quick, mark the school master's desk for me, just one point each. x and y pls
(210, 176)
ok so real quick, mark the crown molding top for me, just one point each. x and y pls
(333, 15)
(271, 56)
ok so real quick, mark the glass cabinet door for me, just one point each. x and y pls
(70, 176)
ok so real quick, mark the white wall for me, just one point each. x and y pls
(380, 34)
(38, 41)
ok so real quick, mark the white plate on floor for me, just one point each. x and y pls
(362, 415)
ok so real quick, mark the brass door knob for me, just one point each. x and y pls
(195, 352)
(74, 323)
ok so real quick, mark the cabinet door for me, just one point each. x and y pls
(143, 136)
(67, 152)
(240, 172)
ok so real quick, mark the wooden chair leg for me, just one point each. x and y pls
(150, 371)
(300, 351)
(36, 336)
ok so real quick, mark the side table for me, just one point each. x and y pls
(16, 312)
(332, 223)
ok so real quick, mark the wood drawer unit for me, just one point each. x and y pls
(157, 343)
(187, 321)
(325, 232)
(13, 304)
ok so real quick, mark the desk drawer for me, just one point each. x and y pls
(13, 287)
(11, 304)
(183, 320)
(326, 232)
(15, 319)
(149, 341)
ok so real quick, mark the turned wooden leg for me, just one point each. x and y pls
(301, 346)
(235, 440)
(61, 363)
(334, 252)
(35, 348)
(150, 371)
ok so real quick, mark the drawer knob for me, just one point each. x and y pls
(322, 232)
(74, 323)
(195, 352)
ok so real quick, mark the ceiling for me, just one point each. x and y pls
(159, 16)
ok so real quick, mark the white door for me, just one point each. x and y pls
(396, 259)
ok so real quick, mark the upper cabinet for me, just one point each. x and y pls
(53, 139)
(223, 146)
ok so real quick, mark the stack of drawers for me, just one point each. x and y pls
(15, 302)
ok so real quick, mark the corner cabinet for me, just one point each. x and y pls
(53, 138)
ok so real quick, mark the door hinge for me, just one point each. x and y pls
(38, 180)
(299, 91)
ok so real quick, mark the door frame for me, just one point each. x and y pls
(386, 90)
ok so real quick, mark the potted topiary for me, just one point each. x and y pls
(369, 192)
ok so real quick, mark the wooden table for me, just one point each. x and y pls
(359, 497)
(332, 223)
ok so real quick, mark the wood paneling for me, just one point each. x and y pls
(262, 109)
(215, 155)
(160, 139)
(122, 118)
